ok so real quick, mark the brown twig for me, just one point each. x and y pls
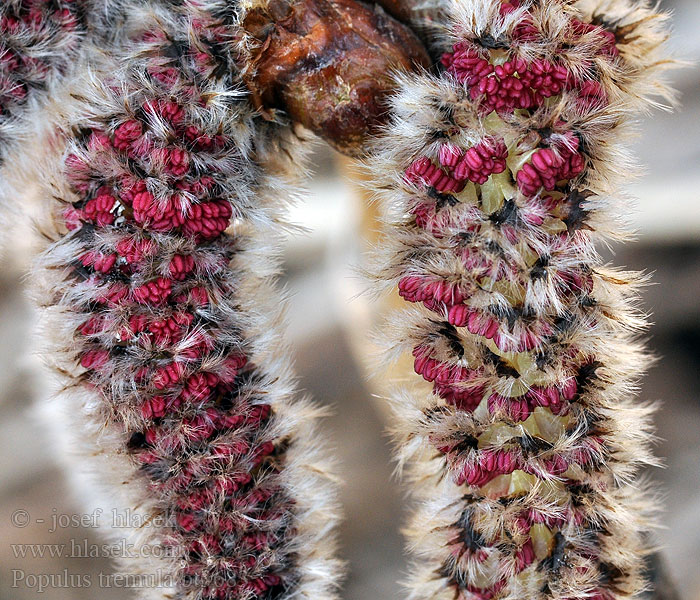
(328, 64)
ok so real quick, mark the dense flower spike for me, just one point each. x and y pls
(495, 177)
(166, 320)
(38, 40)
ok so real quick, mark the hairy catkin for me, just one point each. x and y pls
(40, 43)
(162, 316)
(39, 40)
(497, 178)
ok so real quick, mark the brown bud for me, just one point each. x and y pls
(329, 64)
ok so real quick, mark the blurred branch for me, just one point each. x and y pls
(661, 583)
(414, 12)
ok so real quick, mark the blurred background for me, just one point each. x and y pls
(327, 320)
